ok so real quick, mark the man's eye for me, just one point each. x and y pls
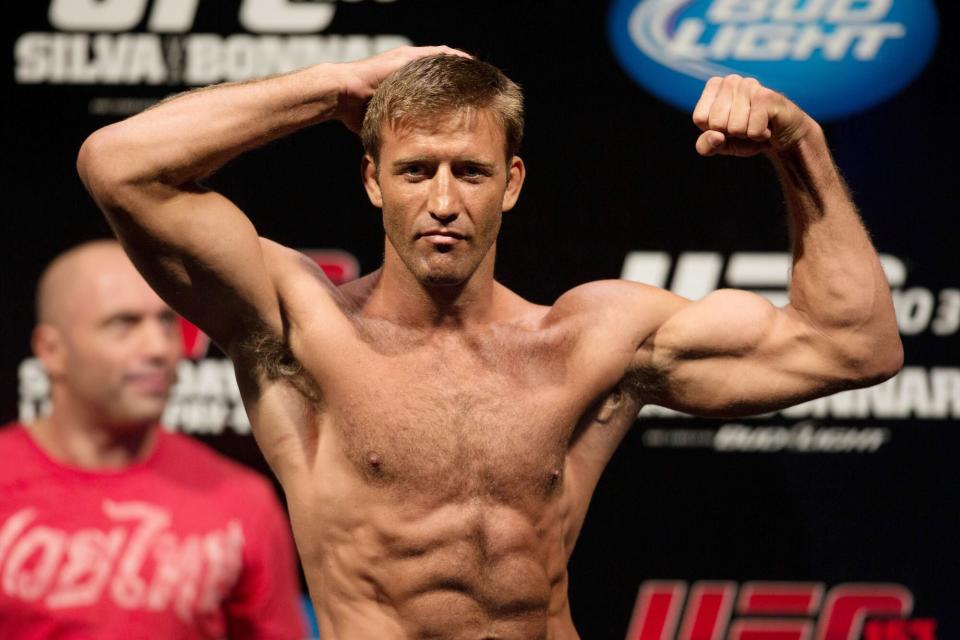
(473, 171)
(121, 324)
(414, 170)
(123, 321)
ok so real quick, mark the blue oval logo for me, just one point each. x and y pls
(832, 57)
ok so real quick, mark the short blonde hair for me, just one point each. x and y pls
(439, 85)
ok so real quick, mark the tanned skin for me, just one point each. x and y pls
(438, 437)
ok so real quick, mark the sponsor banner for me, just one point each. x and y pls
(694, 274)
(157, 43)
(925, 393)
(761, 610)
(915, 392)
(833, 57)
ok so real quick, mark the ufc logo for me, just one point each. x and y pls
(668, 610)
(694, 274)
(177, 16)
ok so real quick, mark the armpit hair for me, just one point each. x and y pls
(643, 384)
(273, 359)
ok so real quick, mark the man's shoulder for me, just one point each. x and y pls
(23, 462)
(199, 458)
(9, 431)
(12, 438)
(604, 297)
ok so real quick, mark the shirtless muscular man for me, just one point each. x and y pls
(439, 437)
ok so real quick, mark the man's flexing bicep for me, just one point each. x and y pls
(734, 353)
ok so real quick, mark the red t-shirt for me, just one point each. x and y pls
(185, 544)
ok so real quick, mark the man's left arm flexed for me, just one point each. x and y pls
(734, 353)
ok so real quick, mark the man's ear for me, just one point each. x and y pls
(516, 172)
(371, 180)
(49, 348)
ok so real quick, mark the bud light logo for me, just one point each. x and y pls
(832, 57)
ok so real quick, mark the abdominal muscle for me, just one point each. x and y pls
(390, 564)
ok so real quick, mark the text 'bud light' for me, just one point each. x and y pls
(833, 57)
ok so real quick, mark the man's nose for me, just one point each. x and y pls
(160, 340)
(444, 203)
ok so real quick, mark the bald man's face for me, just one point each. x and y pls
(110, 344)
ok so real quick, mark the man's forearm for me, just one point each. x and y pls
(194, 134)
(837, 281)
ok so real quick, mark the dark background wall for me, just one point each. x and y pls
(611, 171)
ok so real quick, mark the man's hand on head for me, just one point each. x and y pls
(740, 117)
(360, 79)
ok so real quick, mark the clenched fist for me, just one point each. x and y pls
(741, 117)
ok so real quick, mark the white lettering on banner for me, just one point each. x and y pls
(801, 437)
(206, 399)
(696, 273)
(782, 41)
(279, 16)
(144, 58)
(213, 58)
(58, 58)
(96, 15)
(96, 43)
(172, 16)
(912, 393)
(915, 392)
(139, 564)
(177, 16)
(780, 30)
(783, 10)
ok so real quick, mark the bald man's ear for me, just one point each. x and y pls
(49, 348)
(370, 175)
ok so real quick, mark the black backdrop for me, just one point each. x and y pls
(869, 495)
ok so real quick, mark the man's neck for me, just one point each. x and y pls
(80, 440)
(400, 297)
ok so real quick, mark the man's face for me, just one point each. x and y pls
(119, 345)
(442, 186)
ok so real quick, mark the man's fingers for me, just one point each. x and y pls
(701, 112)
(456, 52)
(758, 127)
(714, 143)
(740, 108)
(710, 143)
(720, 111)
(442, 49)
(737, 106)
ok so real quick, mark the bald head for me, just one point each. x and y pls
(76, 274)
(109, 344)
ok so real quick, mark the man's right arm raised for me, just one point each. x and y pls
(195, 247)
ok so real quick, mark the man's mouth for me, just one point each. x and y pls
(150, 382)
(442, 237)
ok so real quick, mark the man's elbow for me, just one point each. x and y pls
(876, 362)
(99, 167)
